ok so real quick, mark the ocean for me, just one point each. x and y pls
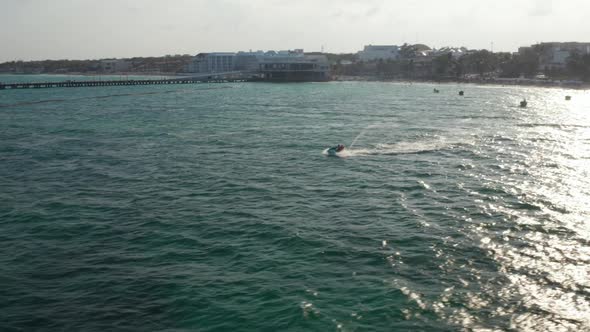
(214, 207)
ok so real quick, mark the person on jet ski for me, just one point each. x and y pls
(339, 148)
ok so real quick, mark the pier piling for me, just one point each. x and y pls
(85, 84)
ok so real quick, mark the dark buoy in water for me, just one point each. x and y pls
(523, 103)
(568, 97)
(461, 93)
(436, 91)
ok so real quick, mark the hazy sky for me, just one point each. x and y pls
(91, 29)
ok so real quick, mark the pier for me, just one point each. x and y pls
(84, 84)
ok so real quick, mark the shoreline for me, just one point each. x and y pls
(494, 82)
(501, 82)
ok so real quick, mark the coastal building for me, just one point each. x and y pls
(114, 65)
(286, 65)
(379, 52)
(295, 67)
(582, 48)
(558, 59)
(554, 55)
(248, 61)
(217, 62)
(524, 49)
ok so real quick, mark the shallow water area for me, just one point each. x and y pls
(215, 208)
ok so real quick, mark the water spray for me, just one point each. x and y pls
(362, 133)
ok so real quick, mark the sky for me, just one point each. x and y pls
(94, 29)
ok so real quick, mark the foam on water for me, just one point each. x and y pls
(342, 154)
(408, 147)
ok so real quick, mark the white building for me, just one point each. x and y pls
(560, 57)
(554, 55)
(379, 52)
(249, 61)
(281, 65)
(456, 52)
(554, 58)
(217, 62)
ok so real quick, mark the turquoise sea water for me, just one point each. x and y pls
(213, 208)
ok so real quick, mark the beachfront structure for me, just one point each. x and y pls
(248, 61)
(288, 65)
(217, 62)
(557, 59)
(554, 55)
(582, 48)
(295, 67)
(379, 52)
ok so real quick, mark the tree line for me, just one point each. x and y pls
(481, 63)
(164, 64)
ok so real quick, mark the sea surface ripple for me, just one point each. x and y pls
(213, 208)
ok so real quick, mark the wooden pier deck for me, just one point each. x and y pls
(84, 84)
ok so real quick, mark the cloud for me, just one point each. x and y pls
(542, 8)
(119, 28)
(372, 11)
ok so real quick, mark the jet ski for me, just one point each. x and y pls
(333, 151)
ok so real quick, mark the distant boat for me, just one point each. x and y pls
(436, 91)
(523, 103)
(568, 97)
(461, 93)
